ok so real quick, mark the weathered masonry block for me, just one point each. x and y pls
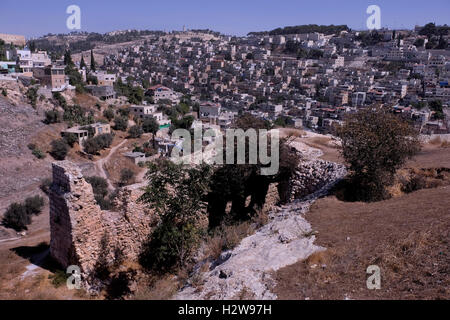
(81, 233)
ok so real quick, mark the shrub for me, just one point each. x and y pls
(59, 278)
(177, 195)
(375, 144)
(38, 153)
(32, 96)
(150, 125)
(95, 144)
(120, 123)
(99, 185)
(46, 185)
(33, 205)
(78, 115)
(60, 148)
(60, 99)
(4, 92)
(126, 176)
(104, 202)
(16, 217)
(169, 246)
(123, 112)
(52, 116)
(70, 138)
(135, 132)
(109, 114)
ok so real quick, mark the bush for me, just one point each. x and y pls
(4, 92)
(70, 138)
(99, 185)
(33, 205)
(150, 125)
(104, 203)
(60, 99)
(16, 217)
(135, 132)
(108, 114)
(78, 115)
(52, 116)
(169, 246)
(32, 96)
(126, 176)
(59, 278)
(60, 148)
(39, 153)
(120, 123)
(95, 144)
(36, 151)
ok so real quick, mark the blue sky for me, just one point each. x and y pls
(35, 18)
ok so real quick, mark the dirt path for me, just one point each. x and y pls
(99, 164)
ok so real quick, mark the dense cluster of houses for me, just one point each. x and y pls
(257, 74)
(262, 74)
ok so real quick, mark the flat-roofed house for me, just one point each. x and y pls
(102, 92)
(105, 79)
(51, 76)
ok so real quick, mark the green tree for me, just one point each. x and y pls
(33, 205)
(60, 148)
(109, 114)
(93, 67)
(177, 194)
(16, 217)
(52, 116)
(68, 58)
(32, 96)
(120, 123)
(82, 63)
(135, 132)
(99, 185)
(375, 144)
(150, 125)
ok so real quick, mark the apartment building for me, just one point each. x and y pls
(105, 79)
(40, 59)
(51, 76)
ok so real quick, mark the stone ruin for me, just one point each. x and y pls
(82, 234)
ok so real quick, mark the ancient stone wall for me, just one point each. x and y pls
(81, 233)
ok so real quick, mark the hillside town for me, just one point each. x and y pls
(303, 80)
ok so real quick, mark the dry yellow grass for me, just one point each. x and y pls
(294, 133)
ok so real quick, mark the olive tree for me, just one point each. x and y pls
(375, 143)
